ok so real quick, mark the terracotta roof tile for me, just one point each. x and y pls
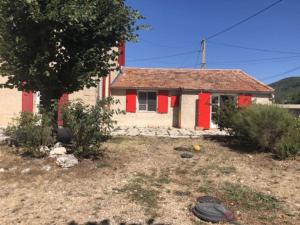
(189, 79)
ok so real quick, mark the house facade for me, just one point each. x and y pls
(185, 98)
(156, 97)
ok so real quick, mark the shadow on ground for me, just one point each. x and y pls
(234, 144)
(107, 222)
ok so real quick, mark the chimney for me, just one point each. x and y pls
(122, 54)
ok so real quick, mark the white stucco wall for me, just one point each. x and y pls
(10, 103)
(141, 119)
(262, 99)
(87, 95)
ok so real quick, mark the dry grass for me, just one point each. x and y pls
(142, 178)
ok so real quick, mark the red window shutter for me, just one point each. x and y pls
(131, 101)
(204, 110)
(244, 100)
(103, 87)
(122, 54)
(27, 101)
(64, 99)
(175, 100)
(163, 97)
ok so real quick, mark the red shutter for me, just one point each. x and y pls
(175, 100)
(131, 101)
(103, 87)
(244, 100)
(204, 110)
(163, 97)
(62, 101)
(27, 101)
(122, 54)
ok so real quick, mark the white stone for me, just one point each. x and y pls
(2, 170)
(46, 168)
(58, 151)
(44, 149)
(27, 170)
(66, 161)
(57, 145)
(13, 168)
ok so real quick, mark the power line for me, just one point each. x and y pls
(254, 49)
(244, 20)
(163, 45)
(163, 57)
(274, 59)
(281, 74)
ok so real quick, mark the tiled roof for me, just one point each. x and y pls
(189, 79)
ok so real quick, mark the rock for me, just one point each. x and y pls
(27, 170)
(13, 168)
(58, 151)
(46, 168)
(2, 170)
(44, 149)
(66, 161)
(57, 145)
(186, 155)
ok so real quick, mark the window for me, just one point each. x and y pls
(218, 102)
(147, 101)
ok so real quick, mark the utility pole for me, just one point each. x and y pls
(203, 52)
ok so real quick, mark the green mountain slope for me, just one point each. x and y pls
(287, 90)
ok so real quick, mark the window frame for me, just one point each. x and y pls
(138, 101)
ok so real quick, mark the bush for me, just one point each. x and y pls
(226, 116)
(267, 127)
(262, 125)
(90, 125)
(288, 146)
(32, 130)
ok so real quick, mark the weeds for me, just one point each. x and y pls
(249, 198)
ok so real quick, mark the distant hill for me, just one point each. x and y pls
(287, 90)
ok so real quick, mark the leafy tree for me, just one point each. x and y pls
(61, 46)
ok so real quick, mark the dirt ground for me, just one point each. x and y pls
(141, 178)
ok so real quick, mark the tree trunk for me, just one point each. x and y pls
(49, 104)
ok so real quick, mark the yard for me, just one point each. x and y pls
(140, 178)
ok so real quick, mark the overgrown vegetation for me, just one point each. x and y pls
(32, 131)
(90, 125)
(267, 127)
(248, 198)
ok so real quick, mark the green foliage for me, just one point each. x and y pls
(289, 145)
(225, 114)
(62, 46)
(249, 198)
(267, 127)
(90, 125)
(293, 98)
(261, 125)
(32, 130)
(287, 90)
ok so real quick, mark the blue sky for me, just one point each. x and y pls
(179, 25)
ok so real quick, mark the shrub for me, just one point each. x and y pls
(90, 125)
(267, 127)
(32, 130)
(261, 125)
(289, 145)
(226, 116)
